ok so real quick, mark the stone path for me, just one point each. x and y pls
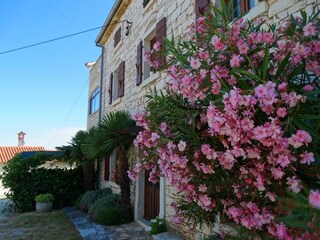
(90, 230)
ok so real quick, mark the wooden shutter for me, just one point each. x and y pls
(244, 6)
(160, 35)
(145, 2)
(201, 7)
(117, 37)
(139, 64)
(121, 79)
(106, 168)
(110, 88)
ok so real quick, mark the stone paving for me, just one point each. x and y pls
(90, 230)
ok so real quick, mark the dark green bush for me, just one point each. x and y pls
(113, 216)
(26, 180)
(90, 197)
(77, 202)
(87, 200)
(111, 200)
(103, 192)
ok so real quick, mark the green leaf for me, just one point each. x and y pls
(282, 66)
(250, 75)
(265, 64)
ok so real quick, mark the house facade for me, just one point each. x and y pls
(121, 79)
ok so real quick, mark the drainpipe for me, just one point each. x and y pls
(100, 112)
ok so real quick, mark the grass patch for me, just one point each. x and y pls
(38, 226)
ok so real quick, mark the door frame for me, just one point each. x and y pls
(139, 198)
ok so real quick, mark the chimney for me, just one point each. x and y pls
(21, 138)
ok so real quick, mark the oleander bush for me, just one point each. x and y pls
(236, 130)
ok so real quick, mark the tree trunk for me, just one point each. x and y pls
(123, 167)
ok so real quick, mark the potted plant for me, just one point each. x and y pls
(44, 202)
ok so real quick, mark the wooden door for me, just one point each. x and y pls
(151, 199)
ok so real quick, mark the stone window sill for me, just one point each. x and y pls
(150, 79)
(257, 10)
(116, 102)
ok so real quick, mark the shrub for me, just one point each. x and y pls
(91, 196)
(87, 199)
(103, 192)
(157, 226)
(46, 197)
(111, 200)
(77, 202)
(25, 180)
(113, 216)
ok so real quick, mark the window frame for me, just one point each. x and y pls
(94, 103)
(147, 70)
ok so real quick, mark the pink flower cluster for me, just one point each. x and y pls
(243, 158)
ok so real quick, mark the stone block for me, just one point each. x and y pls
(167, 236)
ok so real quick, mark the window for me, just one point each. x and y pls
(242, 6)
(148, 45)
(144, 71)
(94, 101)
(110, 168)
(201, 7)
(117, 37)
(116, 83)
(238, 6)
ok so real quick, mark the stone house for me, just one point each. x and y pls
(120, 79)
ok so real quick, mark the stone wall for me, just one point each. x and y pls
(94, 82)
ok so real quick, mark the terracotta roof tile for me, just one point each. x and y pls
(6, 153)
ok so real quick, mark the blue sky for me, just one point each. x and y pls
(44, 89)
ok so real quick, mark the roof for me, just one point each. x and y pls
(6, 153)
(113, 18)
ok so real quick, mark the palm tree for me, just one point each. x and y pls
(74, 156)
(116, 132)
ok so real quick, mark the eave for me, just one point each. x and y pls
(114, 17)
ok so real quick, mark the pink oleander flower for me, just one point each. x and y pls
(182, 146)
(282, 86)
(156, 46)
(154, 137)
(195, 63)
(216, 42)
(202, 188)
(235, 60)
(260, 91)
(307, 158)
(314, 198)
(294, 184)
(282, 112)
(277, 173)
(309, 30)
(308, 88)
(300, 138)
(281, 231)
(283, 160)
(242, 47)
(204, 55)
